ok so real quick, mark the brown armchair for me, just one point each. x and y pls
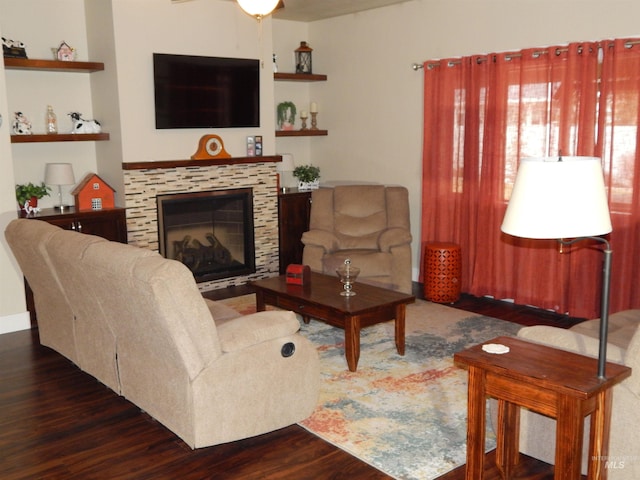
(368, 224)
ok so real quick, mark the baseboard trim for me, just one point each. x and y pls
(15, 323)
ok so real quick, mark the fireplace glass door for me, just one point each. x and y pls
(209, 232)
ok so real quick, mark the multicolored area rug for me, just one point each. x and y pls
(405, 415)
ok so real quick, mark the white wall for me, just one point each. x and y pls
(372, 103)
(212, 28)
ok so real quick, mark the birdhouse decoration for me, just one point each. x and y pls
(303, 58)
(93, 193)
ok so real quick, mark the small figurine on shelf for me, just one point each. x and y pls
(65, 53)
(21, 124)
(80, 125)
(13, 48)
(51, 120)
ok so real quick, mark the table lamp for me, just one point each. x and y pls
(564, 198)
(285, 169)
(59, 174)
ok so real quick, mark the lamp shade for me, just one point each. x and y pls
(286, 165)
(558, 197)
(59, 174)
(258, 8)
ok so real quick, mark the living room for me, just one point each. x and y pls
(371, 103)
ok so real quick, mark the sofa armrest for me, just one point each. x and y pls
(321, 238)
(259, 327)
(571, 341)
(393, 237)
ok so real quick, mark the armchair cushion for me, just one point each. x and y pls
(321, 238)
(256, 328)
(393, 237)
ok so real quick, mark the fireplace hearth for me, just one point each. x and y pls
(210, 232)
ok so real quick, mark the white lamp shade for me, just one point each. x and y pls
(59, 174)
(558, 197)
(258, 8)
(286, 165)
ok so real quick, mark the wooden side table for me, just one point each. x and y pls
(556, 383)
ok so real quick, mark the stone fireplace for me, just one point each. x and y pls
(145, 182)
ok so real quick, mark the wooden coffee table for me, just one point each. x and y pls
(321, 300)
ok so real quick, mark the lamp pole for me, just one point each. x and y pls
(604, 299)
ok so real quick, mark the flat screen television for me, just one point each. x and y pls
(206, 92)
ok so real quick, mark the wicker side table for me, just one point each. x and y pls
(442, 271)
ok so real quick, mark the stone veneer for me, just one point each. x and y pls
(142, 184)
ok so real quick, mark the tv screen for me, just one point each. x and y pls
(206, 92)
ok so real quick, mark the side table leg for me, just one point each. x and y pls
(400, 327)
(352, 341)
(599, 436)
(569, 436)
(476, 422)
(508, 437)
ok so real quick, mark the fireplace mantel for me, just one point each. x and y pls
(199, 163)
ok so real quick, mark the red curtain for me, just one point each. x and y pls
(484, 113)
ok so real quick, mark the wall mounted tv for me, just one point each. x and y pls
(206, 92)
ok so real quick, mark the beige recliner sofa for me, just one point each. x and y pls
(138, 323)
(537, 433)
(369, 224)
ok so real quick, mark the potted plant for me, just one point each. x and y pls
(308, 177)
(286, 115)
(28, 194)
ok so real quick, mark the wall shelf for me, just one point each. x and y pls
(59, 137)
(52, 65)
(301, 133)
(299, 77)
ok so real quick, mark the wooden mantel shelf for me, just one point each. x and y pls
(199, 163)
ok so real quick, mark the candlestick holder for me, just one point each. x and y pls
(304, 123)
(348, 275)
(314, 121)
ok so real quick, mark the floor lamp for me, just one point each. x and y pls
(564, 198)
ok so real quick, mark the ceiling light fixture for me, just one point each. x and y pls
(258, 8)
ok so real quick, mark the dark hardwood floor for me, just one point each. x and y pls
(57, 422)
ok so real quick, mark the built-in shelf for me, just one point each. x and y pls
(301, 133)
(299, 77)
(59, 137)
(51, 65)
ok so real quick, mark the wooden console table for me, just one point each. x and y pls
(556, 383)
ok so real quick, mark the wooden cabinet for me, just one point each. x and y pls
(110, 224)
(294, 209)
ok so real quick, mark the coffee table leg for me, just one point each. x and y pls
(352, 342)
(400, 327)
(260, 306)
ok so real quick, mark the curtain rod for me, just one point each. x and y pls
(558, 51)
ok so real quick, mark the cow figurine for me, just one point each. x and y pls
(21, 125)
(80, 125)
